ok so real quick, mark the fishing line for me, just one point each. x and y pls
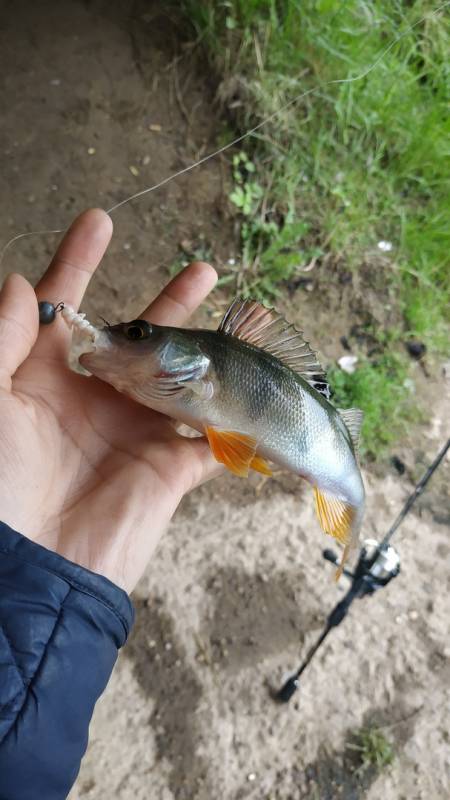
(247, 134)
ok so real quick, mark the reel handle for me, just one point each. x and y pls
(330, 555)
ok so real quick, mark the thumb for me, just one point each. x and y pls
(19, 325)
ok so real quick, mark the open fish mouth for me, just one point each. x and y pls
(85, 337)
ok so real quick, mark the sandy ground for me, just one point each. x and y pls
(238, 589)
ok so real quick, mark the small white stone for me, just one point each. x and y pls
(348, 363)
(384, 246)
(127, 246)
(251, 776)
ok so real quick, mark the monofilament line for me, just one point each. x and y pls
(247, 134)
(23, 235)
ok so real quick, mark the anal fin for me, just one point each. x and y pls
(336, 519)
(335, 516)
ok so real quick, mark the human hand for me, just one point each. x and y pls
(84, 471)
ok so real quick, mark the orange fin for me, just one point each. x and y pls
(336, 518)
(235, 450)
(260, 465)
(340, 568)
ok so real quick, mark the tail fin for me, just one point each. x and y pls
(337, 518)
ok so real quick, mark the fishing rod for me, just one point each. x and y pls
(377, 565)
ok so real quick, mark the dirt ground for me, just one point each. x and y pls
(100, 99)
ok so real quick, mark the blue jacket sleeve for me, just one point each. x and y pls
(60, 630)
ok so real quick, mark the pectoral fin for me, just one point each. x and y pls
(336, 519)
(235, 450)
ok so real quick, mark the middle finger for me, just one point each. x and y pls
(180, 298)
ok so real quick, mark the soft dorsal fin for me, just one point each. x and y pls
(353, 418)
(265, 328)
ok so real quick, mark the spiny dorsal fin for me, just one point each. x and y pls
(265, 328)
(353, 418)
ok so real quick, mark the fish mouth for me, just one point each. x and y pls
(86, 338)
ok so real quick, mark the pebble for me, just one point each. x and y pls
(155, 127)
(416, 349)
(146, 160)
(251, 776)
(134, 170)
(413, 615)
(384, 246)
(348, 363)
(91, 151)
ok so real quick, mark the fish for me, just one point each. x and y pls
(253, 387)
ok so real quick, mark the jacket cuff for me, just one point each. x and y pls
(80, 578)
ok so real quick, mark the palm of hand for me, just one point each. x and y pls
(84, 470)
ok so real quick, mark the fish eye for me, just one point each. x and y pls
(138, 329)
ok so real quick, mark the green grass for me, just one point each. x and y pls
(384, 391)
(346, 166)
(373, 749)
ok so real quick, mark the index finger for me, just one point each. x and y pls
(73, 265)
(76, 258)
